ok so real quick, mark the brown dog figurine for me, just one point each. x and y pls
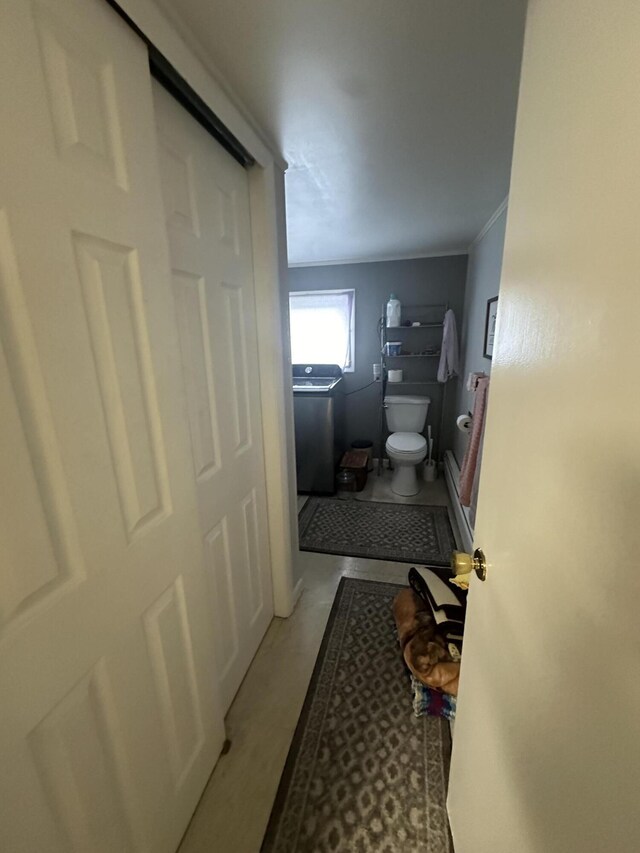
(424, 650)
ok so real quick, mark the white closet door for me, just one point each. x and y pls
(206, 196)
(110, 722)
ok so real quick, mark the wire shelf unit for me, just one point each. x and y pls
(428, 316)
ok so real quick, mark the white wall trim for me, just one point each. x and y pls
(297, 592)
(267, 223)
(489, 224)
(452, 477)
(407, 257)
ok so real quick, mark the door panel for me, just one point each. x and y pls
(206, 199)
(40, 554)
(81, 762)
(251, 537)
(221, 589)
(546, 754)
(193, 323)
(237, 365)
(82, 97)
(110, 721)
(171, 655)
(114, 304)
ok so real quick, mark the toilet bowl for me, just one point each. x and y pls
(406, 448)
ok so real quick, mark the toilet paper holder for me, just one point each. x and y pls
(464, 422)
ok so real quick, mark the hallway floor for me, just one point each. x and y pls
(236, 804)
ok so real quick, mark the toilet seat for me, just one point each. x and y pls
(406, 442)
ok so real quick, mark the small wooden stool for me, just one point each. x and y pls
(356, 461)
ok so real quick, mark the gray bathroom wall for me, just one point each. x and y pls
(483, 283)
(414, 282)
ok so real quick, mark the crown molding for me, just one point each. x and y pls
(489, 224)
(407, 257)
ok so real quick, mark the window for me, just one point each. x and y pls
(322, 327)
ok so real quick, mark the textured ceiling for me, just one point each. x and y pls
(396, 116)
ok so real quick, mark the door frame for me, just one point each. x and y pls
(268, 224)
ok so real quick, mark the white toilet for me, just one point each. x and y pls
(406, 417)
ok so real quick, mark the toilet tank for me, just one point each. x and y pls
(406, 414)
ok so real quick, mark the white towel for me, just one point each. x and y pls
(449, 357)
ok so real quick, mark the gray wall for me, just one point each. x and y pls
(414, 282)
(483, 282)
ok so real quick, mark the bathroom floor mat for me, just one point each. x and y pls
(363, 773)
(379, 531)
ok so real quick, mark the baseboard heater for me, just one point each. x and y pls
(462, 514)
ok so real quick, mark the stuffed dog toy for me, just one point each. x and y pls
(424, 649)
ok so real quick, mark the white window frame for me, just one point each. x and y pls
(352, 321)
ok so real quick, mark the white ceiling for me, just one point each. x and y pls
(396, 116)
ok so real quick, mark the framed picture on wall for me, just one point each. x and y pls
(490, 326)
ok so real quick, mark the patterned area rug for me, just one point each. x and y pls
(363, 774)
(380, 531)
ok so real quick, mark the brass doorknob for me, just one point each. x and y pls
(462, 563)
